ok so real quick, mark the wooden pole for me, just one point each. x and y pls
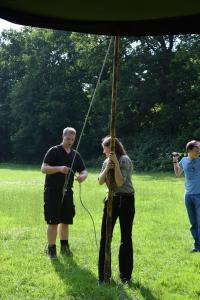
(107, 263)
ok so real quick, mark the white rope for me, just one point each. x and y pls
(87, 115)
(80, 137)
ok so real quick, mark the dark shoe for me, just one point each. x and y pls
(51, 252)
(100, 281)
(65, 250)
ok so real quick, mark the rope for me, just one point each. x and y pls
(87, 115)
(79, 140)
(87, 210)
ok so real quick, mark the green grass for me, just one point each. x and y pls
(164, 268)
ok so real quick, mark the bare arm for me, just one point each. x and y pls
(82, 176)
(118, 174)
(103, 174)
(177, 169)
(112, 163)
(47, 169)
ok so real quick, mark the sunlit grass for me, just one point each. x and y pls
(164, 267)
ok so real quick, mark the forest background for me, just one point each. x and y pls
(47, 79)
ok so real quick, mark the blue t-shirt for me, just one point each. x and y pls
(191, 168)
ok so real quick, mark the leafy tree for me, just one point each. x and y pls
(47, 80)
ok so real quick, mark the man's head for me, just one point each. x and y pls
(193, 148)
(70, 130)
(69, 135)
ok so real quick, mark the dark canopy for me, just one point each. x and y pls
(125, 17)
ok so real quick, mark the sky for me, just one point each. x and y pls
(8, 25)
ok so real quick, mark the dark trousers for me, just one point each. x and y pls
(124, 208)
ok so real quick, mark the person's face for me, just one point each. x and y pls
(194, 153)
(68, 140)
(106, 150)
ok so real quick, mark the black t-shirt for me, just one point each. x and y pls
(57, 156)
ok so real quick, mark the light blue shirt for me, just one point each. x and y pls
(191, 168)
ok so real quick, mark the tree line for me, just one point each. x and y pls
(47, 79)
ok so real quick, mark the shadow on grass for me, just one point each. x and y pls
(82, 284)
(145, 292)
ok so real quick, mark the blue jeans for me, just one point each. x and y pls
(192, 203)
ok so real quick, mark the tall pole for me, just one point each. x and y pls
(107, 263)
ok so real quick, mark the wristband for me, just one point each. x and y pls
(175, 162)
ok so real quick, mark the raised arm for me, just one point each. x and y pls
(103, 174)
(177, 169)
(112, 163)
(118, 174)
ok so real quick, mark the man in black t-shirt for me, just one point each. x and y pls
(60, 164)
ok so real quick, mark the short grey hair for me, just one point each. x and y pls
(69, 130)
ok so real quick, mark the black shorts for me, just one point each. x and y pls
(58, 209)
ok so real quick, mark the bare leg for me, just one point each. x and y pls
(63, 231)
(51, 234)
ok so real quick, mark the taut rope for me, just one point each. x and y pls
(79, 140)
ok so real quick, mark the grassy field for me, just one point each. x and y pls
(164, 268)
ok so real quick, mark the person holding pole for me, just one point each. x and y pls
(60, 164)
(190, 165)
(123, 207)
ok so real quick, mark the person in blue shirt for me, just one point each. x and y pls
(190, 165)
